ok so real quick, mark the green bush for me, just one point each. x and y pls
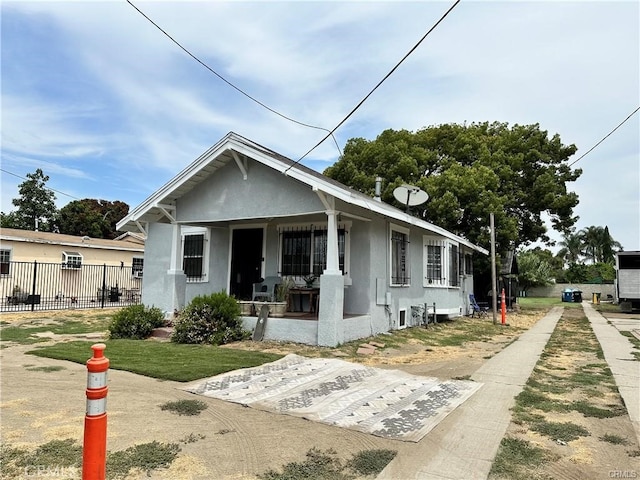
(210, 319)
(135, 322)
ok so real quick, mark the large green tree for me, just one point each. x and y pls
(92, 217)
(36, 205)
(534, 269)
(469, 171)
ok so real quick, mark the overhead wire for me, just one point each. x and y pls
(605, 137)
(378, 84)
(238, 89)
(48, 188)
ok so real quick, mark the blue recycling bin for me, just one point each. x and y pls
(572, 295)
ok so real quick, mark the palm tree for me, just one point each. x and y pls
(598, 245)
(591, 238)
(571, 248)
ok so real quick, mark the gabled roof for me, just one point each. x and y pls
(49, 238)
(232, 148)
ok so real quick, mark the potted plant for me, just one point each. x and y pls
(309, 279)
(279, 307)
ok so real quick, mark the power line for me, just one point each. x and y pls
(378, 85)
(605, 137)
(185, 50)
(48, 188)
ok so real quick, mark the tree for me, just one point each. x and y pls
(598, 245)
(571, 244)
(470, 171)
(91, 217)
(533, 269)
(36, 205)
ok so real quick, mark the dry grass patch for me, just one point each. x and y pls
(570, 409)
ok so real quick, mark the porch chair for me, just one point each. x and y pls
(482, 309)
(265, 290)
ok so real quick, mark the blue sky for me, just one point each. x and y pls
(109, 108)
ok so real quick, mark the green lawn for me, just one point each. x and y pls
(168, 361)
(536, 303)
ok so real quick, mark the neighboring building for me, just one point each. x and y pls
(241, 212)
(627, 285)
(54, 266)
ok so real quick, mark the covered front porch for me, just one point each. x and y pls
(302, 327)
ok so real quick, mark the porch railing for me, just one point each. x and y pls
(30, 286)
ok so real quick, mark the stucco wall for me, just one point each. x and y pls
(285, 329)
(156, 264)
(265, 193)
(52, 253)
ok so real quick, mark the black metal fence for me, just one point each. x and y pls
(29, 286)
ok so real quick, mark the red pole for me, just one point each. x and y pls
(503, 308)
(94, 452)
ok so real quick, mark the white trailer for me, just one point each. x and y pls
(628, 280)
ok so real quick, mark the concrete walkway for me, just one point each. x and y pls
(617, 352)
(465, 443)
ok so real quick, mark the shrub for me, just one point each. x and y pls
(135, 322)
(212, 319)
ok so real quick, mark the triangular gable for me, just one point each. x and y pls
(160, 206)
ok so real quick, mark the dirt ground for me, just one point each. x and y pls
(235, 442)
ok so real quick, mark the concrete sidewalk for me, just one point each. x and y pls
(624, 367)
(465, 443)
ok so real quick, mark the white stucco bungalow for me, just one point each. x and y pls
(241, 212)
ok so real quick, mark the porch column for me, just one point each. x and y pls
(333, 263)
(176, 280)
(330, 312)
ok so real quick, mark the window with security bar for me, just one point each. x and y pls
(193, 257)
(468, 264)
(320, 250)
(304, 251)
(454, 271)
(400, 274)
(434, 263)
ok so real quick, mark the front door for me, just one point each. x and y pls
(246, 261)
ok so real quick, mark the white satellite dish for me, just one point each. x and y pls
(410, 195)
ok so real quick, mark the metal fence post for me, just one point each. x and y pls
(104, 285)
(33, 286)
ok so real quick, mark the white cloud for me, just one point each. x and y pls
(140, 109)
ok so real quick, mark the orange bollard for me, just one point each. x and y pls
(503, 307)
(94, 451)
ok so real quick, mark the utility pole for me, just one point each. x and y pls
(494, 292)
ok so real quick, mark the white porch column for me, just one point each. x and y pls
(330, 313)
(333, 263)
(176, 280)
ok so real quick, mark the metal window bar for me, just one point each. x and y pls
(193, 257)
(296, 252)
(454, 281)
(399, 260)
(434, 263)
(320, 250)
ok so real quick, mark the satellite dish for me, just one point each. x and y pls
(410, 195)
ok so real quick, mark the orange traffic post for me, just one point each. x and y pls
(503, 307)
(94, 451)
